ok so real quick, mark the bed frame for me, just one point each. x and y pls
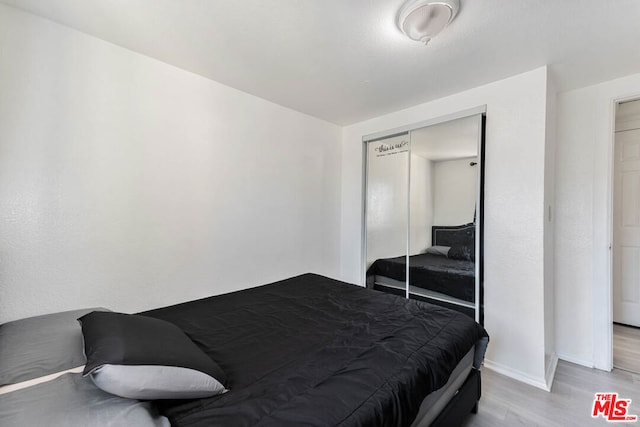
(453, 235)
(465, 402)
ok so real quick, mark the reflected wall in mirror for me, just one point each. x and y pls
(442, 229)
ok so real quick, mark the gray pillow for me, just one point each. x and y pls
(153, 382)
(439, 250)
(42, 345)
(73, 401)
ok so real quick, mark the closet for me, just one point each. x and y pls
(423, 212)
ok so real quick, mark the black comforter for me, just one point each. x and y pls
(314, 351)
(437, 273)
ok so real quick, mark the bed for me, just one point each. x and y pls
(308, 350)
(445, 273)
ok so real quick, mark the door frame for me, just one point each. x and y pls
(606, 354)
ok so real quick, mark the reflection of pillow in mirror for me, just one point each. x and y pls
(439, 250)
(464, 253)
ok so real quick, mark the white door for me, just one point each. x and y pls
(626, 232)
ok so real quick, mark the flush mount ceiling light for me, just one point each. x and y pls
(421, 20)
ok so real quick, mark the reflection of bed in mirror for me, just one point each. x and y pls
(444, 275)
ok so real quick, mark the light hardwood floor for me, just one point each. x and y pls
(626, 348)
(506, 402)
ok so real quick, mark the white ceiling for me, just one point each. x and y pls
(345, 61)
(455, 139)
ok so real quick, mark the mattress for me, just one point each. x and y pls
(315, 351)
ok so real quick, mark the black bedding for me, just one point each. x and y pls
(314, 351)
(437, 273)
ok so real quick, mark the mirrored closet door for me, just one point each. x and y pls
(387, 204)
(423, 214)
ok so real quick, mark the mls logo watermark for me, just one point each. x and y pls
(612, 408)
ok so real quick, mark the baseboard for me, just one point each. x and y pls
(574, 360)
(551, 371)
(517, 375)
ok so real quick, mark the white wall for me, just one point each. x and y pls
(456, 185)
(514, 212)
(131, 184)
(583, 221)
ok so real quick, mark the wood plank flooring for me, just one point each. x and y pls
(626, 348)
(506, 402)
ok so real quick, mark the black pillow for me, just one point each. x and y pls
(465, 253)
(142, 357)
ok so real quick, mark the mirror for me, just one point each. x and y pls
(423, 215)
(387, 203)
(444, 194)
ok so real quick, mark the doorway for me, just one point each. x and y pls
(626, 237)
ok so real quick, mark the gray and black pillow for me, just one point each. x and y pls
(141, 357)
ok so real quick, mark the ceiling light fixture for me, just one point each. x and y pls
(421, 20)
